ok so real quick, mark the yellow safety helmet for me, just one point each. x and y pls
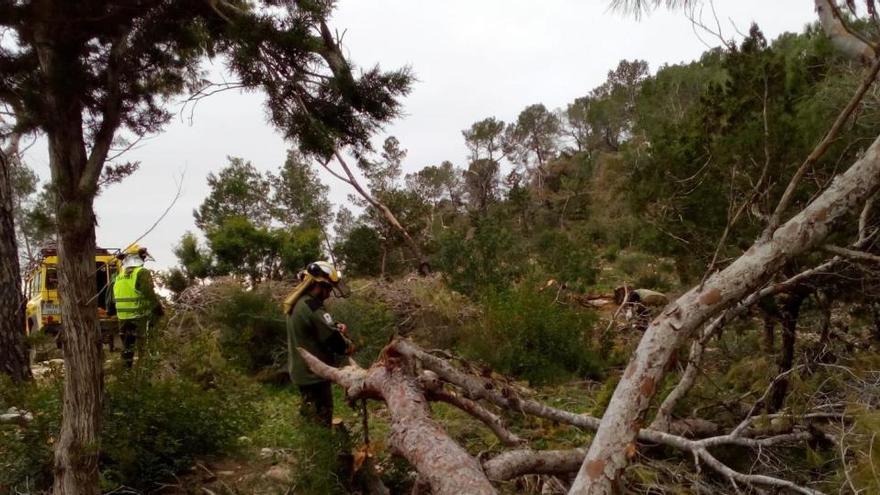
(136, 250)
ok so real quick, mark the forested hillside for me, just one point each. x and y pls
(691, 249)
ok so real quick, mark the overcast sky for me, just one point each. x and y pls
(473, 59)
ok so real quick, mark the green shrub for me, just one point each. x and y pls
(154, 428)
(26, 451)
(370, 323)
(155, 424)
(486, 257)
(253, 333)
(524, 333)
(566, 258)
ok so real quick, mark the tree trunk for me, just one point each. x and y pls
(13, 353)
(76, 453)
(790, 312)
(607, 456)
(77, 448)
(769, 332)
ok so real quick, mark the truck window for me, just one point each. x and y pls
(51, 279)
(102, 279)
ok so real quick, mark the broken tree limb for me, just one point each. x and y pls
(432, 386)
(663, 418)
(607, 456)
(389, 380)
(439, 460)
(515, 463)
(852, 253)
(844, 39)
(424, 265)
(478, 388)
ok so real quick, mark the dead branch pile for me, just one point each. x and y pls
(407, 378)
(422, 303)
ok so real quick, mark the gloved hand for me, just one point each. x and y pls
(350, 347)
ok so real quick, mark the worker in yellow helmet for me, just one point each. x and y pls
(136, 303)
(312, 328)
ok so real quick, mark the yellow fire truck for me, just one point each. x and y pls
(41, 289)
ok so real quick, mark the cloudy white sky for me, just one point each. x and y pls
(473, 59)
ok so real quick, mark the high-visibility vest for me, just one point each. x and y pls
(130, 303)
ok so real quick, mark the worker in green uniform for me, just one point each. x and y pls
(312, 328)
(136, 304)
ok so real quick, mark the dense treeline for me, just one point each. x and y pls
(657, 163)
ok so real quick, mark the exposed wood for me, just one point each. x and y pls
(515, 463)
(843, 38)
(852, 253)
(390, 380)
(441, 462)
(607, 457)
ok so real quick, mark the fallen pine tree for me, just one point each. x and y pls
(407, 378)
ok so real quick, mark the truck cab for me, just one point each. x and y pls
(43, 312)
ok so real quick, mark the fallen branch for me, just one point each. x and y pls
(434, 389)
(439, 460)
(523, 460)
(515, 463)
(851, 253)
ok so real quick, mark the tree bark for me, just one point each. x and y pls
(442, 463)
(790, 312)
(76, 453)
(13, 351)
(843, 39)
(607, 457)
(516, 463)
(75, 176)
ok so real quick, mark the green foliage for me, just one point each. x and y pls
(361, 252)
(247, 235)
(566, 258)
(533, 139)
(26, 451)
(175, 280)
(700, 146)
(369, 321)
(194, 260)
(483, 258)
(155, 427)
(314, 449)
(866, 449)
(238, 190)
(252, 330)
(524, 333)
(299, 196)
